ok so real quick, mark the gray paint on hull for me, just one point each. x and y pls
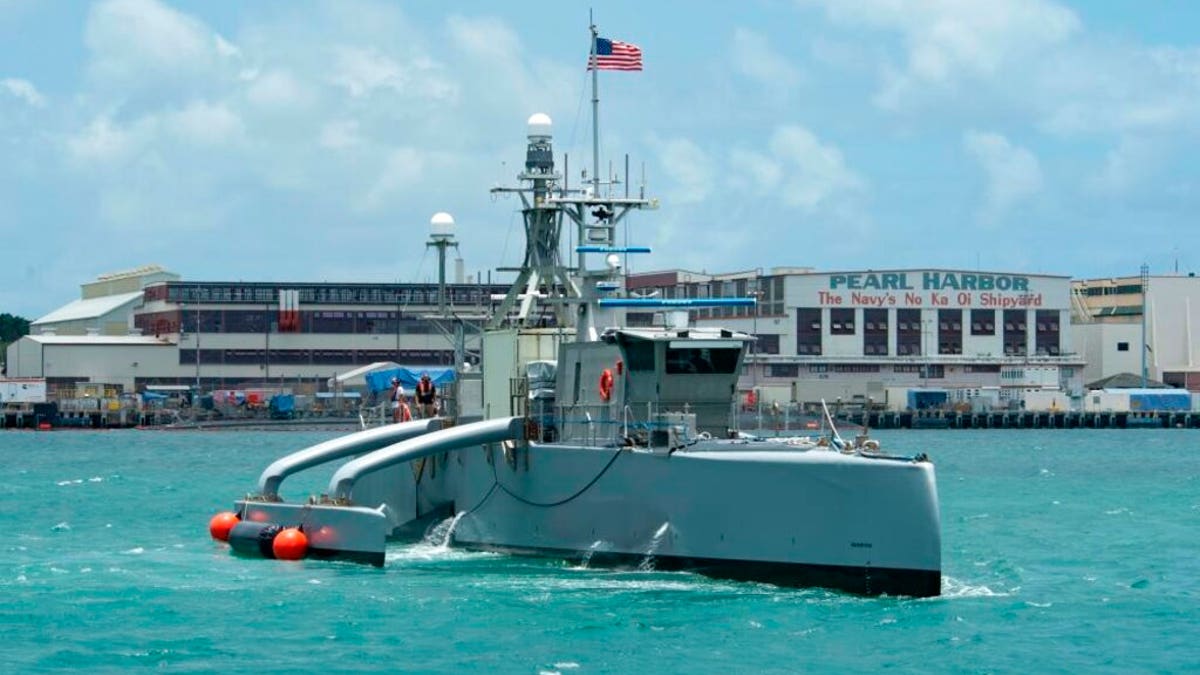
(747, 508)
(812, 507)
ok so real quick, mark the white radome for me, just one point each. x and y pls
(442, 224)
(540, 125)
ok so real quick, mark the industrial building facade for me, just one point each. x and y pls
(1109, 327)
(217, 335)
(854, 334)
(821, 335)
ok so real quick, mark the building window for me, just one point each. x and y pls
(1046, 337)
(1014, 332)
(875, 332)
(908, 332)
(808, 331)
(1122, 346)
(766, 344)
(783, 370)
(983, 322)
(950, 333)
(856, 368)
(639, 319)
(841, 322)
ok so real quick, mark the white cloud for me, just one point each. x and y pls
(101, 141)
(1013, 173)
(226, 48)
(24, 90)
(362, 71)
(815, 171)
(754, 57)
(505, 77)
(136, 42)
(947, 41)
(797, 169)
(689, 166)
(1126, 165)
(1105, 89)
(206, 123)
(400, 171)
(340, 135)
(277, 88)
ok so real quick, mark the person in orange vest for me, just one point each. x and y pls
(427, 396)
(400, 410)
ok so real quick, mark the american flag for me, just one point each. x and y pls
(615, 55)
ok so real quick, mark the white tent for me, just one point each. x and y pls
(357, 377)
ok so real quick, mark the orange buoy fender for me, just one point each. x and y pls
(290, 544)
(606, 384)
(221, 524)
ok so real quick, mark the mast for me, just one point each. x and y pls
(593, 61)
(546, 201)
(595, 111)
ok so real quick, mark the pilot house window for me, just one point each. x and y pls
(702, 361)
(639, 355)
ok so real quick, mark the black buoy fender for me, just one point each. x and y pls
(251, 538)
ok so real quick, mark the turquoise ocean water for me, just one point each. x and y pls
(1064, 551)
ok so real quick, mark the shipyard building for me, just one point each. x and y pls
(149, 327)
(1112, 315)
(983, 338)
(874, 336)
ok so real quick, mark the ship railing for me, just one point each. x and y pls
(607, 424)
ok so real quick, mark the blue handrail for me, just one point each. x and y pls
(678, 302)
(612, 249)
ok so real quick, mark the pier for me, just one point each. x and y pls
(1026, 420)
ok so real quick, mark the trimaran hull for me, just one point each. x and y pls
(744, 510)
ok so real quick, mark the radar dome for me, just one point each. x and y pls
(539, 125)
(442, 224)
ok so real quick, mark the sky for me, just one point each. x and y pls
(313, 141)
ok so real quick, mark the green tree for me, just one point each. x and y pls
(12, 328)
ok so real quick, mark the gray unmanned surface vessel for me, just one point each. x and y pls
(613, 445)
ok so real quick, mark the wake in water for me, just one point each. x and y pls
(435, 545)
(953, 588)
(647, 563)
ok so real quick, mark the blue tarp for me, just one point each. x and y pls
(1160, 399)
(381, 380)
(925, 399)
(283, 403)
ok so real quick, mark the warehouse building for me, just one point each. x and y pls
(855, 335)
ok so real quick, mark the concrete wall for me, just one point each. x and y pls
(1098, 344)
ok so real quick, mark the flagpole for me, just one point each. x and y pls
(595, 112)
(595, 64)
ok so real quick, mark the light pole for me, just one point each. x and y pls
(197, 340)
(754, 366)
(1145, 292)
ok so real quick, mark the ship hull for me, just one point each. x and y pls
(859, 580)
(794, 518)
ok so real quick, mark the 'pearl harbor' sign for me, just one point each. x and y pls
(935, 289)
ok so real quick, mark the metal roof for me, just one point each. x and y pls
(1125, 381)
(92, 308)
(111, 340)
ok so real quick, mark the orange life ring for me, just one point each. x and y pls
(606, 384)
